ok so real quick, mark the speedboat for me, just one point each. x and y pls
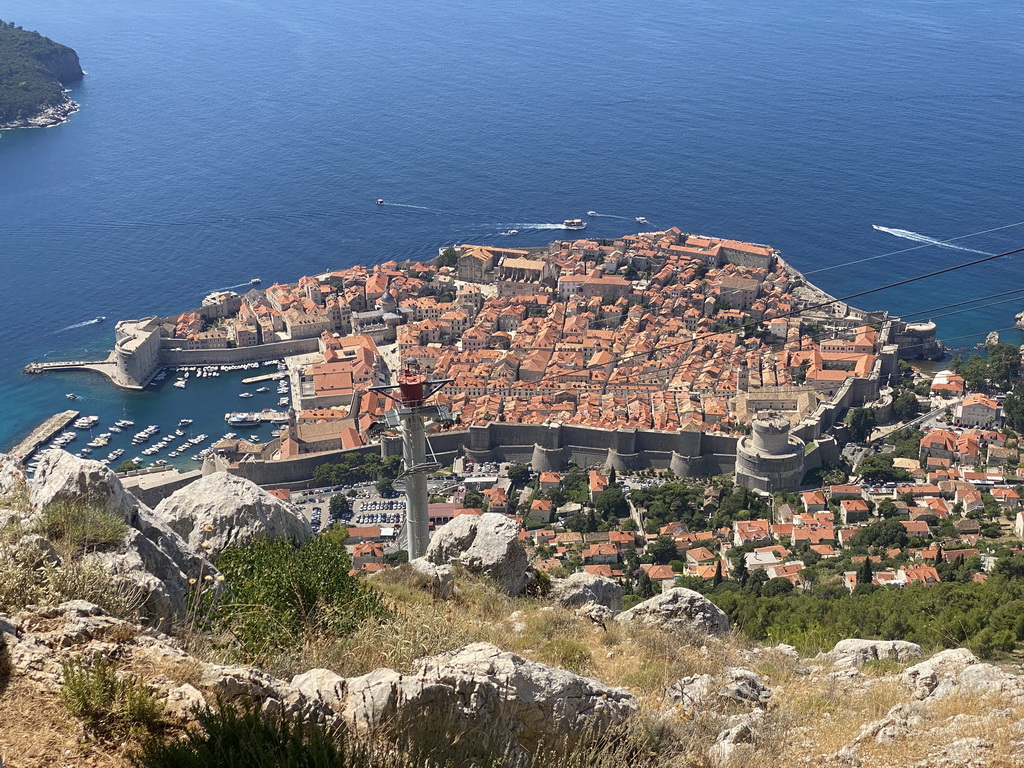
(184, 422)
(255, 281)
(574, 224)
(380, 201)
(71, 396)
(591, 213)
(180, 384)
(99, 319)
(512, 232)
(262, 389)
(246, 394)
(641, 220)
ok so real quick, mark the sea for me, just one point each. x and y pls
(224, 140)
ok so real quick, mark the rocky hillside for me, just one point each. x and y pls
(110, 641)
(33, 73)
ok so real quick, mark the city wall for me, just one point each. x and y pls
(238, 355)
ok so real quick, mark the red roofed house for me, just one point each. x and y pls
(977, 410)
(853, 511)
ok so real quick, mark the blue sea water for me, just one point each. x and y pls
(228, 139)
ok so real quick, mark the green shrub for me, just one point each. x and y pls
(112, 705)
(80, 527)
(276, 595)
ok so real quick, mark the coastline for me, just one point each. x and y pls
(47, 118)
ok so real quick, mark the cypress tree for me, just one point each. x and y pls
(866, 575)
(740, 572)
(718, 574)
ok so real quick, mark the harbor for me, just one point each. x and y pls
(41, 434)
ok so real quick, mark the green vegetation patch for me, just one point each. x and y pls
(80, 527)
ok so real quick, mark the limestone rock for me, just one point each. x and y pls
(322, 686)
(855, 652)
(734, 745)
(736, 685)
(482, 688)
(183, 701)
(678, 608)
(63, 477)
(12, 477)
(437, 579)
(924, 678)
(581, 588)
(599, 614)
(237, 510)
(487, 544)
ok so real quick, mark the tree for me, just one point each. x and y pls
(718, 574)
(612, 503)
(885, 534)
(879, 469)
(339, 506)
(740, 572)
(612, 477)
(866, 574)
(906, 406)
(860, 422)
(385, 487)
(643, 588)
(519, 474)
(127, 466)
(662, 550)
(1013, 408)
(887, 508)
(777, 587)
(449, 257)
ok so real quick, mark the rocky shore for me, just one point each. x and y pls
(47, 118)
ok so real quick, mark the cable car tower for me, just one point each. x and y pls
(410, 418)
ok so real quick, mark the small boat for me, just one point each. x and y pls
(641, 220)
(71, 396)
(115, 428)
(512, 232)
(180, 384)
(99, 319)
(574, 224)
(246, 394)
(262, 389)
(255, 281)
(184, 422)
(591, 213)
(380, 201)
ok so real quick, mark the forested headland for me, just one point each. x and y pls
(33, 73)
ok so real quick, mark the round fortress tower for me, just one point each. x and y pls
(769, 459)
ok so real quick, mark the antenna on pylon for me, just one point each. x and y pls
(414, 389)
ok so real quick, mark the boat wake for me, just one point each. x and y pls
(608, 216)
(538, 226)
(406, 205)
(94, 321)
(230, 287)
(916, 237)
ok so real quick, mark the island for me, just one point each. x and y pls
(34, 71)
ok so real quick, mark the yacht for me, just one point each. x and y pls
(574, 224)
(87, 422)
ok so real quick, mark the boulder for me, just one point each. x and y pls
(12, 477)
(924, 678)
(222, 510)
(487, 544)
(855, 652)
(737, 685)
(582, 588)
(481, 690)
(63, 477)
(678, 608)
(957, 672)
(436, 579)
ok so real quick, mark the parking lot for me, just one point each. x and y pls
(367, 507)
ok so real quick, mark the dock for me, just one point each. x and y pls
(56, 423)
(266, 377)
(264, 417)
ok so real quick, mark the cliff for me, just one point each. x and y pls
(33, 73)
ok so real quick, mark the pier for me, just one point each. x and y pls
(56, 423)
(264, 417)
(266, 377)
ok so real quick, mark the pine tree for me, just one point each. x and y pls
(740, 572)
(866, 575)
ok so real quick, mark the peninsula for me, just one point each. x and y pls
(657, 349)
(33, 73)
